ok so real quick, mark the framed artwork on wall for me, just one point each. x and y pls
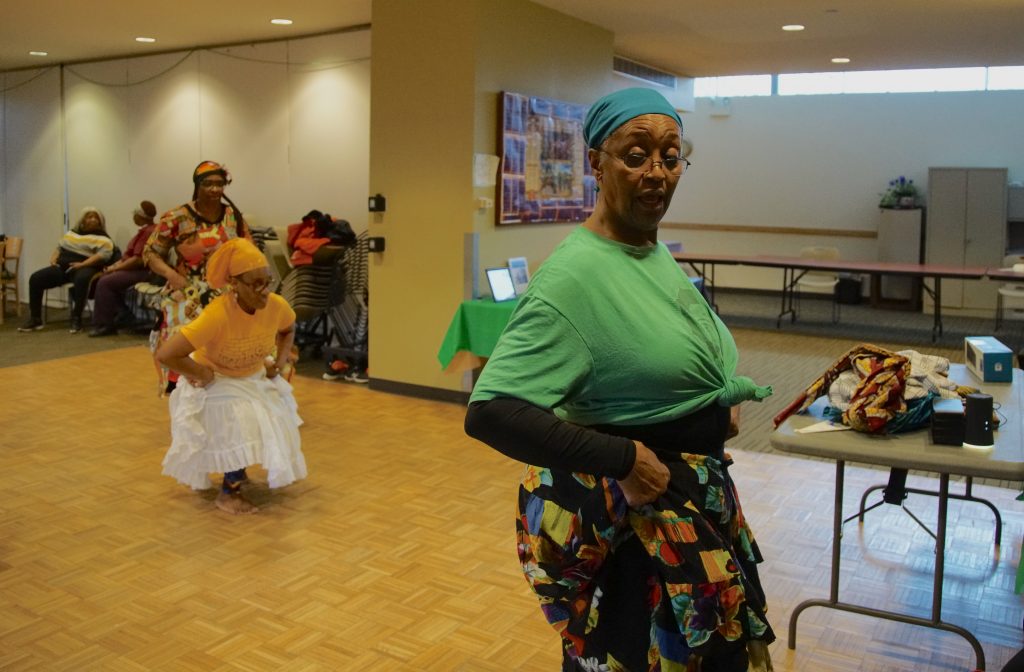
(545, 176)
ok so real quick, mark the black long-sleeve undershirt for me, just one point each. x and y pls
(533, 435)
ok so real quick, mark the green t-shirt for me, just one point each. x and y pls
(608, 333)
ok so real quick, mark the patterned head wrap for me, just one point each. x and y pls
(146, 210)
(615, 109)
(207, 168)
(233, 258)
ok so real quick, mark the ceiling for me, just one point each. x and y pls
(685, 37)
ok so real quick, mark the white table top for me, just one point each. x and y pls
(914, 450)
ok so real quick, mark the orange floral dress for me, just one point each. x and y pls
(185, 240)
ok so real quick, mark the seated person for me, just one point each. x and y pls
(111, 286)
(81, 254)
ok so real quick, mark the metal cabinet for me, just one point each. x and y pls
(967, 227)
(900, 239)
(1015, 219)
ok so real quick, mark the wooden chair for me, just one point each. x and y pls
(818, 280)
(11, 251)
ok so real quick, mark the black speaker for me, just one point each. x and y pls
(948, 422)
(978, 421)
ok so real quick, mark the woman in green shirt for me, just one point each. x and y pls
(614, 381)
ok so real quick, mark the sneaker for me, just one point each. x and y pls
(335, 370)
(76, 325)
(31, 325)
(357, 376)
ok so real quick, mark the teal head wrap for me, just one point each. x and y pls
(615, 109)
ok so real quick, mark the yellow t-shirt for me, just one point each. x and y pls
(231, 341)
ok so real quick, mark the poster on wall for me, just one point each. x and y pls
(545, 176)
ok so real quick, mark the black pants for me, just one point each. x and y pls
(55, 276)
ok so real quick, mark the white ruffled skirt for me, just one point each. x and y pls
(233, 423)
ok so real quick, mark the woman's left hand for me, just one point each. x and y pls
(75, 265)
(272, 368)
(647, 480)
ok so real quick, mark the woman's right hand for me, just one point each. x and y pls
(176, 280)
(204, 378)
(647, 480)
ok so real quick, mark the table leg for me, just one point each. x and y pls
(940, 548)
(938, 308)
(789, 279)
(968, 496)
(833, 602)
(837, 533)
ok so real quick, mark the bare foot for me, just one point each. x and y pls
(248, 485)
(234, 503)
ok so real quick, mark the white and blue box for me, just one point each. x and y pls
(988, 359)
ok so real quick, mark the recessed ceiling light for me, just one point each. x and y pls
(281, 22)
(147, 40)
(38, 53)
(792, 27)
(840, 60)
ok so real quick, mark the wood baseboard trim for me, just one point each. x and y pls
(770, 230)
(419, 391)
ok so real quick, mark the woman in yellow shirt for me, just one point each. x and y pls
(236, 410)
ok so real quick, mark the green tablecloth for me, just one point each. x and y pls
(475, 328)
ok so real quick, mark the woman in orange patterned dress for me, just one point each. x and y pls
(178, 249)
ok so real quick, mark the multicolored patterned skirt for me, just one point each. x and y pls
(178, 307)
(670, 586)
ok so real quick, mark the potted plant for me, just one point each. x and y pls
(902, 193)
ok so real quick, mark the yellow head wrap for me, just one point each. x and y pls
(233, 258)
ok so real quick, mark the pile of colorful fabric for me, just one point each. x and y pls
(877, 391)
(315, 230)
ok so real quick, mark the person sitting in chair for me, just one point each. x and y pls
(81, 253)
(111, 286)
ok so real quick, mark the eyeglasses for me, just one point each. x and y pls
(259, 286)
(213, 184)
(642, 163)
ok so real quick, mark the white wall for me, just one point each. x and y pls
(823, 162)
(33, 186)
(289, 119)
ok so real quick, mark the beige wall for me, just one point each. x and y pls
(532, 50)
(436, 75)
(421, 153)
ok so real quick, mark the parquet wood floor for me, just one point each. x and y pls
(397, 552)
